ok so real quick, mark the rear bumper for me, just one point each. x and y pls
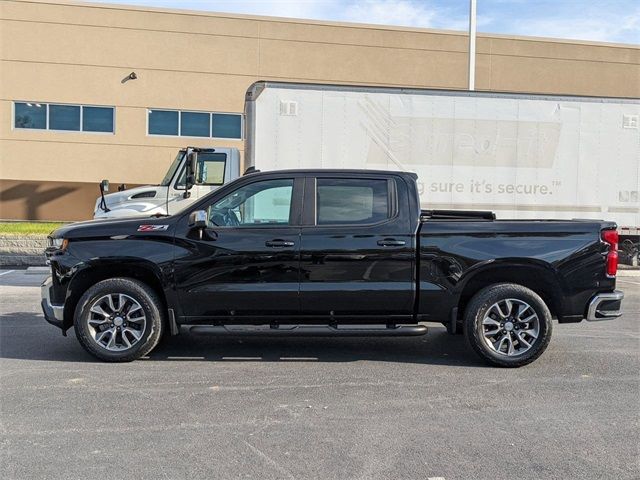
(605, 306)
(54, 314)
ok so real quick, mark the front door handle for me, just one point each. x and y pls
(391, 242)
(278, 243)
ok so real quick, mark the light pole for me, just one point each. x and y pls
(472, 44)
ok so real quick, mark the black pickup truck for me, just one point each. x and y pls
(328, 252)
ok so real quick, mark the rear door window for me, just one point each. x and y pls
(350, 201)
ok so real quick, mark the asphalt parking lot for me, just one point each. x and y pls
(404, 408)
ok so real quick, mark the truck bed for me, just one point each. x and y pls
(565, 257)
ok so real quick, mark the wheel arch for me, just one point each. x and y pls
(539, 277)
(94, 272)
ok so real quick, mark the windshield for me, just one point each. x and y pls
(172, 169)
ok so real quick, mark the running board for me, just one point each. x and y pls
(310, 330)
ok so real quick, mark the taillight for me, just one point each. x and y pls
(611, 238)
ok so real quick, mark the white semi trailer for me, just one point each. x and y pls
(521, 155)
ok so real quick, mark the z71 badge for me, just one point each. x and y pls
(152, 228)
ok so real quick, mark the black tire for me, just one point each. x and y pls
(146, 298)
(478, 308)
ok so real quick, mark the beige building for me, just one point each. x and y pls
(69, 116)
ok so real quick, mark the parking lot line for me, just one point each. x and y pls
(8, 271)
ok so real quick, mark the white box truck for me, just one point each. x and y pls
(521, 155)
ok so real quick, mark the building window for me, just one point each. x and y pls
(71, 118)
(195, 124)
(97, 119)
(163, 122)
(226, 126)
(30, 115)
(64, 117)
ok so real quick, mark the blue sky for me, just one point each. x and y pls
(599, 20)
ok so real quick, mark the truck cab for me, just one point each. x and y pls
(194, 173)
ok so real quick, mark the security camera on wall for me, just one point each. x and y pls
(131, 76)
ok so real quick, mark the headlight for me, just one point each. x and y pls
(60, 243)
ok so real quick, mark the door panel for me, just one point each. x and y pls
(237, 273)
(351, 274)
(246, 262)
(364, 263)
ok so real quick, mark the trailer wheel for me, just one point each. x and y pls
(508, 325)
(630, 251)
(119, 320)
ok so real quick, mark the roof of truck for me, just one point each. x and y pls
(334, 171)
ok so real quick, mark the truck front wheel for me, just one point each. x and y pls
(119, 320)
(508, 325)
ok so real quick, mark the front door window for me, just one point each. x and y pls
(266, 203)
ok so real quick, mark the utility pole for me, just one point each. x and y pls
(472, 44)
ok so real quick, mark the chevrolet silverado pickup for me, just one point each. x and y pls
(328, 253)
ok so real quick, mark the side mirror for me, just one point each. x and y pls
(104, 186)
(190, 173)
(189, 183)
(192, 159)
(198, 219)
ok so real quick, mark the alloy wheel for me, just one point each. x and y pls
(116, 322)
(510, 327)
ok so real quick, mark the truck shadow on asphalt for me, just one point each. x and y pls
(26, 336)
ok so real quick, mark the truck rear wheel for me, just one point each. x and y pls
(119, 320)
(508, 325)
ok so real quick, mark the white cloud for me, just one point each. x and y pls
(412, 13)
(318, 9)
(276, 8)
(598, 20)
(390, 12)
(603, 29)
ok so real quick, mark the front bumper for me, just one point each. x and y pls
(54, 314)
(605, 306)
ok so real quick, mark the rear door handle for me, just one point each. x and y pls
(278, 243)
(391, 242)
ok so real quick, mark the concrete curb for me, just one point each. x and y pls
(16, 260)
(22, 250)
